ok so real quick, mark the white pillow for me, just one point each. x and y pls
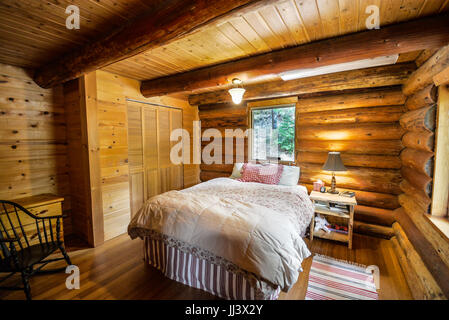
(237, 170)
(289, 176)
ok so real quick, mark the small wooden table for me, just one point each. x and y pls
(327, 199)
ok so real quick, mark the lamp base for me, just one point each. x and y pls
(333, 190)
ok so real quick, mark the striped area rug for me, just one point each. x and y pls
(331, 279)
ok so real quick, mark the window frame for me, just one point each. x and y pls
(250, 138)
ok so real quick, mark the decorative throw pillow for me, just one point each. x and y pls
(290, 176)
(268, 174)
(237, 170)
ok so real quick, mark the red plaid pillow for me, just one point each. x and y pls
(268, 174)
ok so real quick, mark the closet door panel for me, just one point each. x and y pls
(152, 183)
(137, 192)
(164, 137)
(164, 149)
(135, 143)
(135, 157)
(176, 171)
(151, 161)
(150, 137)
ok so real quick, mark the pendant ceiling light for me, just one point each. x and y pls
(237, 91)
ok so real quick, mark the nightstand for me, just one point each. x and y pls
(325, 205)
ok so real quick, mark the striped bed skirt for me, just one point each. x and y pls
(199, 273)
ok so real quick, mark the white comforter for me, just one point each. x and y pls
(292, 201)
(256, 227)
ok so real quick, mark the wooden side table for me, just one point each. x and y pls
(327, 200)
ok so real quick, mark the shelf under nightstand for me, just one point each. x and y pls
(328, 199)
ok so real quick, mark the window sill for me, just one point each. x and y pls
(441, 224)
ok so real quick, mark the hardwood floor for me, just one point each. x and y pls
(116, 270)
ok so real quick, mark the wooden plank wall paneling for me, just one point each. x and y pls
(363, 126)
(81, 111)
(33, 149)
(79, 184)
(113, 142)
(113, 120)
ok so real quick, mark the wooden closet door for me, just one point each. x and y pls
(170, 175)
(176, 171)
(151, 161)
(135, 157)
(164, 149)
(150, 167)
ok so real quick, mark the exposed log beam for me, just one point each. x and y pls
(339, 102)
(355, 79)
(163, 23)
(399, 38)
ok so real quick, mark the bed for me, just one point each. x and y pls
(236, 240)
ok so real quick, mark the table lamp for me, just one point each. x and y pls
(333, 163)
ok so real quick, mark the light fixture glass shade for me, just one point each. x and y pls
(346, 66)
(237, 94)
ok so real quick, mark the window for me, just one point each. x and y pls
(273, 133)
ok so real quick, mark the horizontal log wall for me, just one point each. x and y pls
(222, 117)
(422, 249)
(33, 149)
(417, 158)
(364, 127)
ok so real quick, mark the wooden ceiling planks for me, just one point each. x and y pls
(33, 33)
(285, 24)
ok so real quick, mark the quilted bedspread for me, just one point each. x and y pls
(257, 227)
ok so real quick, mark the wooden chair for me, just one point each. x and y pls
(24, 248)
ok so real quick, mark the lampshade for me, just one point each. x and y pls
(237, 94)
(333, 162)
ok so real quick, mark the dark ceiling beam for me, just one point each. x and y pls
(356, 79)
(431, 32)
(166, 21)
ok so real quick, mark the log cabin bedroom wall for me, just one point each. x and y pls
(361, 122)
(107, 114)
(86, 115)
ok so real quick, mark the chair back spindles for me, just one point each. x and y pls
(24, 235)
(16, 232)
(45, 231)
(38, 230)
(12, 225)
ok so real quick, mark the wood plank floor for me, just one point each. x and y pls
(116, 270)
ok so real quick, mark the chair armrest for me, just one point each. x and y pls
(9, 239)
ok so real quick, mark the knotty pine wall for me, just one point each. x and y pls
(112, 92)
(363, 125)
(107, 129)
(33, 150)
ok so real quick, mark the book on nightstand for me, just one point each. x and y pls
(348, 194)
